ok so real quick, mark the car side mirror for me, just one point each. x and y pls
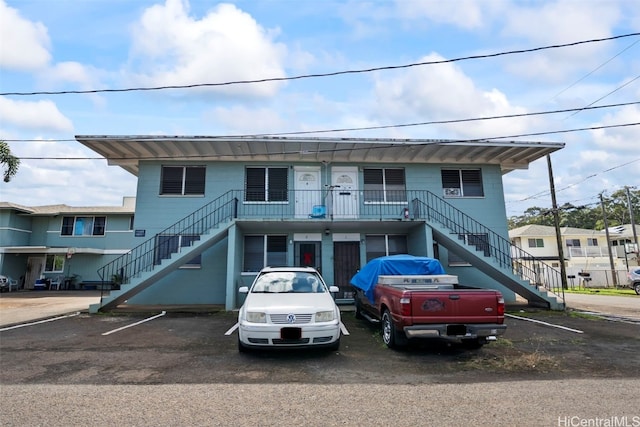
(243, 289)
(334, 289)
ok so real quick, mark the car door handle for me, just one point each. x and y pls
(454, 297)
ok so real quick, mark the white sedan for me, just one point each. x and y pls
(288, 307)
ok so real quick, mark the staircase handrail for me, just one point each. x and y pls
(143, 257)
(502, 250)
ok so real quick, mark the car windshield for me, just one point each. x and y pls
(288, 281)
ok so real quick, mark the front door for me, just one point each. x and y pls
(307, 254)
(344, 192)
(346, 263)
(307, 190)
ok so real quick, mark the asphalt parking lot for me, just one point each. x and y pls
(179, 368)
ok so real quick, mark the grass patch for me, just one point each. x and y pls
(623, 292)
(536, 361)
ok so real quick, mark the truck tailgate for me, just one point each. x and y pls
(458, 306)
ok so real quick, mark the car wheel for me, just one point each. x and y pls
(636, 287)
(390, 335)
(241, 347)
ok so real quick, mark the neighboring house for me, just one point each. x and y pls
(583, 250)
(212, 211)
(62, 242)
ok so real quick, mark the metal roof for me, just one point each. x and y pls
(128, 151)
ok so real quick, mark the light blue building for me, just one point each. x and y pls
(62, 242)
(210, 212)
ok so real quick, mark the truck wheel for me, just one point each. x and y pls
(358, 310)
(390, 335)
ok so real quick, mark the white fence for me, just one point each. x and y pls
(597, 278)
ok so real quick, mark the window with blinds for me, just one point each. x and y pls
(266, 184)
(183, 180)
(462, 183)
(384, 185)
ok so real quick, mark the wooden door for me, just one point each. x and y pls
(346, 263)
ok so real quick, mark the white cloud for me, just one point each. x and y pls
(73, 182)
(242, 120)
(25, 44)
(227, 44)
(465, 14)
(33, 115)
(626, 139)
(444, 92)
(558, 22)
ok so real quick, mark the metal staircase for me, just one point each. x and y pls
(160, 255)
(537, 282)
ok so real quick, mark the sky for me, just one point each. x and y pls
(434, 61)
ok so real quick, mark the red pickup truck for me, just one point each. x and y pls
(425, 303)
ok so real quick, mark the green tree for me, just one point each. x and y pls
(589, 217)
(9, 162)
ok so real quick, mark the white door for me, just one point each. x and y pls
(308, 190)
(344, 192)
(35, 267)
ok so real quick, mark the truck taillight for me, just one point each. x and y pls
(405, 306)
(500, 305)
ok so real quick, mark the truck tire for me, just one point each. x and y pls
(390, 335)
(358, 309)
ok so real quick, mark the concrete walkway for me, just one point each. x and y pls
(25, 306)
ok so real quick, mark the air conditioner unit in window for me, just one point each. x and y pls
(452, 192)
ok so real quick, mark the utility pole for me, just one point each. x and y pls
(556, 222)
(606, 228)
(633, 226)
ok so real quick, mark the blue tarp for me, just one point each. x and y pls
(367, 277)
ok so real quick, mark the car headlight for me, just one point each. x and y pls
(256, 317)
(324, 316)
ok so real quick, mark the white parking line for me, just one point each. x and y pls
(22, 325)
(231, 329)
(577, 331)
(344, 329)
(136, 323)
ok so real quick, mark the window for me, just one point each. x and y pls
(573, 243)
(462, 183)
(83, 225)
(167, 245)
(266, 185)
(384, 185)
(54, 264)
(182, 180)
(592, 242)
(536, 243)
(385, 245)
(263, 251)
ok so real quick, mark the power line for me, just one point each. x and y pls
(380, 146)
(546, 192)
(604, 96)
(400, 125)
(595, 69)
(316, 75)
